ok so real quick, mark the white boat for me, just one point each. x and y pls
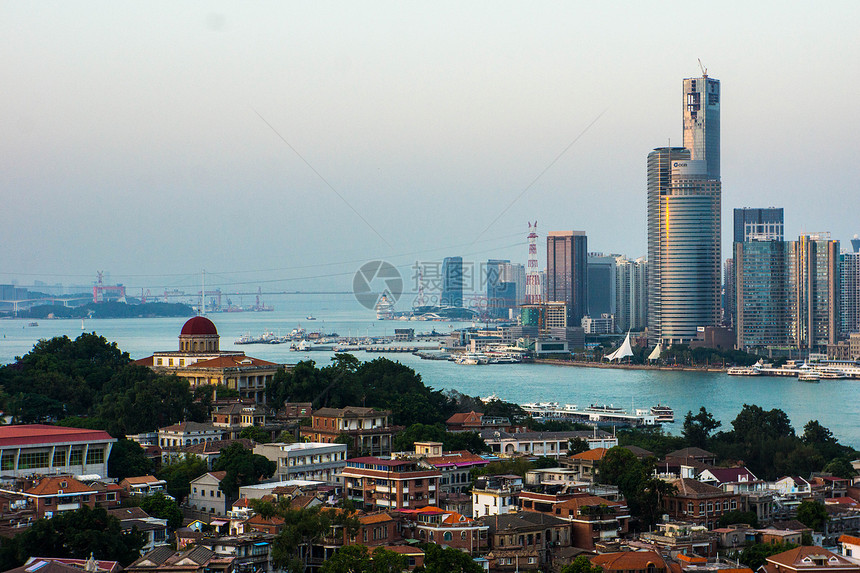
(809, 376)
(833, 375)
(663, 414)
(743, 371)
(472, 358)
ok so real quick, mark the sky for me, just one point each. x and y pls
(285, 143)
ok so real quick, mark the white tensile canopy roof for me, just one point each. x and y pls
(623, 352)
(658, 350)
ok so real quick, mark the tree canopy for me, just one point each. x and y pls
(243, 467)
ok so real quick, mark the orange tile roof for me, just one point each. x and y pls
(596, 454)
(141, 479)
(374, 518)
(793, 558)
(629, 560)
(53, 485)
(849, 539)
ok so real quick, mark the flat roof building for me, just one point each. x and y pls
(42, 449)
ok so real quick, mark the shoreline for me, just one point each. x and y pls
(580, 364)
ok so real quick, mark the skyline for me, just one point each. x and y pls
(147, 141)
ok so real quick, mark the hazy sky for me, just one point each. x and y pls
(136, 136)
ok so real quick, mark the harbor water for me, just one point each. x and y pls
(834, 403)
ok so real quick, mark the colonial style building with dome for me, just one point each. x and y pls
(200, 361)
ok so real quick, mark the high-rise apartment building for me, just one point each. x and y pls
(701, 111)
(729, 295)
(566, 272)
(813, 276)
(515, 273)
(762, 293)
(684, 202)
(631, 294)
(497, 293)
(850, 287)
(452, 282)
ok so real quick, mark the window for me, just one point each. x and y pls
(30, 460)
(95, 456)
(59, 458)
(76, 458)
(7, 461)
(447, 536)
(532, 560)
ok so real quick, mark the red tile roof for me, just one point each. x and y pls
(595, 454)
(28, 434)
(794, 559)
(53, 485)
(230, 361)
(629, 560)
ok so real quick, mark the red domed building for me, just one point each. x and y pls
(200, 361)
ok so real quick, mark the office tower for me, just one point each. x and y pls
(659, 180)
(452, 282)
(813, 276)
(701, 111)
(683, 246)
(763, 316)
(515, 273)
(729, 295)
(566, 275)
(684, 197)
(850, 288)
(855, 244)
(759, 224)
(601, 284)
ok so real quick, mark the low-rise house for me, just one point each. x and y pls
(173, 439)
(694, 454)
(307, 460)
(793, 485)
(476, 422)
(413, 555)
(377, 483)
(849, 547)
(51, 496)
(66, 565)
(142, 485)
(830, 486)
(153, 529)
(377, 529)
(456, 468)
(251, 552)
(700, 503)
(194, 560)
(206, 495)
(549, 444)
(210, 450)
(771, 535)
(674, 537)
(808, 559)
(759, 498)
(369, 429)
(634, 562)
(562, 477)
(496, 495)
(584, 465)
(593, 520)
(524, 540)
(446, 528)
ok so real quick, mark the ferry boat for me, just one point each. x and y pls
(595, 415)
(743, 371)
(472, 358)
(663, 414)
(832, 374)
(809, 376)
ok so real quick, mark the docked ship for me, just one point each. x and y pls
(743, 371)
(663, 414)
(384, 309)
(594, 415)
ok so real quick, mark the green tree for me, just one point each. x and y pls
(697, 429)
(348, 559)
(78, 534)
(577, 446)
(179, 475)
(812, 514)
(840, 467)
(128, 459)
(243, 467)
(581, 565)
(257, 434)
(448, 560)
(160, 506)
(732, 517)
(754, 556)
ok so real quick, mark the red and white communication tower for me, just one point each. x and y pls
(532, 273)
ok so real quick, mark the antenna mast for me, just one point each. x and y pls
(703, 68)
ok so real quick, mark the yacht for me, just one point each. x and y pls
(809, 376)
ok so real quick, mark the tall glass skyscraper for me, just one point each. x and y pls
(566, 272)
(684, 202)
(452, 282)
(702, 121)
